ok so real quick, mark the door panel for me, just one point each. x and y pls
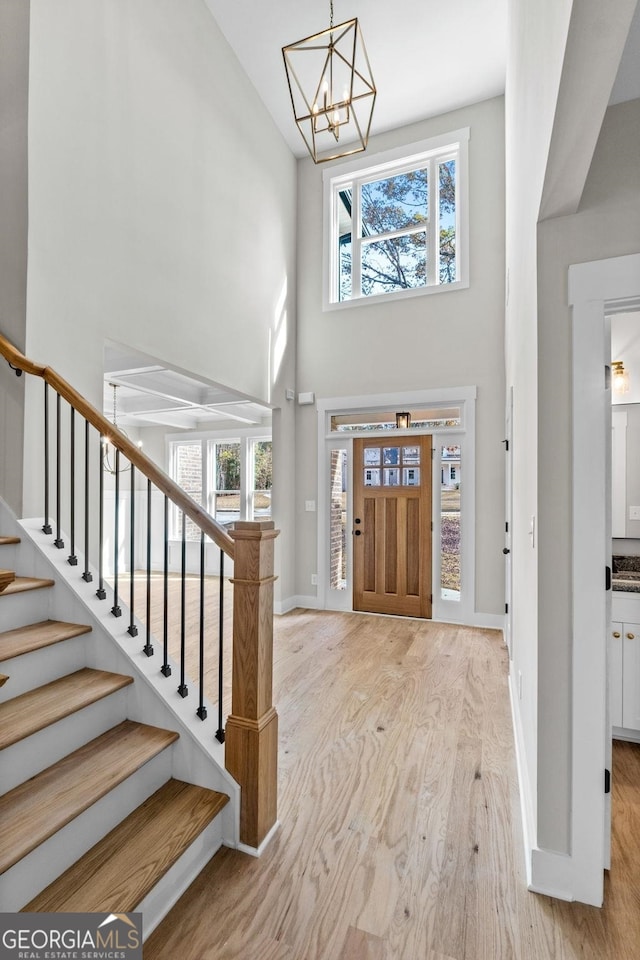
(392, 526)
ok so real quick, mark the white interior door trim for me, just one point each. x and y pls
(592, 286)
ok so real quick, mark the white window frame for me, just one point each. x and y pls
(392, 163)
(245, 437)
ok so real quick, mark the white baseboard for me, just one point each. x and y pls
(524, 786)
(258, 851)
(490, 621)
(547, 872)
(290, 603)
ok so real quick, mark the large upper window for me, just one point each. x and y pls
(398, 227)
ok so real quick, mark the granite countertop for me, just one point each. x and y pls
(625, 574)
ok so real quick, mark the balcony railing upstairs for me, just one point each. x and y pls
(74, 437)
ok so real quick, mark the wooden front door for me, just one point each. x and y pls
(392, 526)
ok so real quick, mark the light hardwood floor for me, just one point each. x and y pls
(400, 830)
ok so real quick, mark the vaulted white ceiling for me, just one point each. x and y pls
(427, 57)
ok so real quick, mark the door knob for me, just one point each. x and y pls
(506, 550)
(357, 520)
(357, 532)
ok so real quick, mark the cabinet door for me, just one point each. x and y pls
(615, 674)
(631, 676)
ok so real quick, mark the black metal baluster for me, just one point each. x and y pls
(58, 542)
(132, 629)
(202, 710)
(183, 689)
(148, 647)
(46, 528)
(72, 560)
(220, 730)
(165, 668)
(101, 593)
(116, 609)
(86, 576)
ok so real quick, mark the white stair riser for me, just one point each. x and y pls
(31, 670)
(37, 870)
(8, 556)
(19, 609)
(39, 751)
(167, 892)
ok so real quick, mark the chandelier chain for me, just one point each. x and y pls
(330, 13)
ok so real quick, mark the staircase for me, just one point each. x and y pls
(92, 818)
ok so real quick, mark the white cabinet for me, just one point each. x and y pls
(624, 677)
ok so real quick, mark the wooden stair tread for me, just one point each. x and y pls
(20, 584)
(13, 643)
(7, 541)
(36, 709)
(36, 809)
(6, 577)
(124, 866)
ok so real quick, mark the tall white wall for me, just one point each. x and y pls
(162, 207)
(14, 84)
(439, 340)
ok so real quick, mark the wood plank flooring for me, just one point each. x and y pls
(400, 826)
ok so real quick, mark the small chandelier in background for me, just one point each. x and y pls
(403, 421)
(332, 90)
(620, 379)
(108, 450)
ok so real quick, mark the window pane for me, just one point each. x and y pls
(450, 522)
(227, 466)
(187, 467)
(227, 492)
(338, 521)
(394, 203)
(394, 264)
(227, 507)
(344, 244)
(447, 191)
(261, 494)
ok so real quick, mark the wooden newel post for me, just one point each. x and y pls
(251, 735)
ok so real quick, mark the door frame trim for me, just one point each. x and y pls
(594, 288)
(325, 407)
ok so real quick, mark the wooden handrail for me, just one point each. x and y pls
(140, 461)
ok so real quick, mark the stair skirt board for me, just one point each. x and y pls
(25, 759)
(29, 876)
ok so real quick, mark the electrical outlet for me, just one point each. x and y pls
(310, 506)
(314, 579)
(634, 513)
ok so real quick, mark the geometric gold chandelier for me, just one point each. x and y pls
(332, 90)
